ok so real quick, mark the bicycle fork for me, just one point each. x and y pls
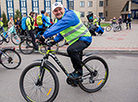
(41, 75)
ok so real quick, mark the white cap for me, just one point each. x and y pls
(56, 4)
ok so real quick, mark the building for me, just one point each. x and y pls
(85, 7)
(124, 8)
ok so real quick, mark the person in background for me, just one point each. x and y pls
(18, 23)
(35, 24)
(48, 19)
(99, 20)
(120, 21)
(95, 21)
(114, 22)
(45, 21)
(31, 28)
(23, 24)
(11, 28)
(11, 22)
(69, 26)
(1, 26)
(128, 23)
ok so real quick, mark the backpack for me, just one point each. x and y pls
(39, 20)
(23, 23)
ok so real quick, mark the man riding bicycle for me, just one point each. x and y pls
(69, 26)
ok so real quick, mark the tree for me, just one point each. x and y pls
(5, 21)
(17, 14)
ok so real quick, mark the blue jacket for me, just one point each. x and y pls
(45, 21)
(23, 23)
(69, 19)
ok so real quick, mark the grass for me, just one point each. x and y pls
(105, 24)
(5, 28)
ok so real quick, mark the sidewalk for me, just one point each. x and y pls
(125, 41)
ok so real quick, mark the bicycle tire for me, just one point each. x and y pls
(10, 59)
(1, 40)
(108, 28)
(26, 46)
(94, 81)
(15, 39)
(49, 92)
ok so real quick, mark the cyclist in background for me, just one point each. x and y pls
(44, 21)
(68, 25)
(1, 27)
(31, 28)
(120, 21)
(114, 22)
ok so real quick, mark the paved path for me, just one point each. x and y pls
(126, 40)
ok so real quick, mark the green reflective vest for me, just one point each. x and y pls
(30, 23)
(73, 33)
(1, 24)
(95, 21)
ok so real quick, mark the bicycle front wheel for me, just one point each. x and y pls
(93, 82)
(1, 40)
(39, 91)
(108, 28)
(10, 59)
(26, 46)
(15, 39)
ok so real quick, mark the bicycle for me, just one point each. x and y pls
(26, 45)
(115, 26)
(9, 58)
(39, 82)
(14, 37)
(4, 38)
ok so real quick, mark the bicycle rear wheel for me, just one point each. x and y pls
(15, 39)
(10, 59)
(108, 28)
(93, 82)
(26, 46)
(35, 91)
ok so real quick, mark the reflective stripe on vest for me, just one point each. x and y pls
(73, 33)
(30, 23)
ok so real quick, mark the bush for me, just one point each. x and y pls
(5, 21)
(17, 14)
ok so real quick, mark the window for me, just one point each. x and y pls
(35, 6)
(106, 2)
(106, 13)
(70, 4)
(101, 14)
(82, 3)
(100, 3)
(23, 7)
(82, 14)
(59, 1)
(47, 6)
(90, 12)
(126, 7)
(89, 3)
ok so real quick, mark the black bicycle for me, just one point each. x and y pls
(39, 82)
(9, 58)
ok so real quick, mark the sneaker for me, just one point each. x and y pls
(75, 75)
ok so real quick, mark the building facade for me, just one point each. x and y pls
(124, 8)
(85, 7)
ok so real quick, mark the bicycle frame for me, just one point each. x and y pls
(52, 53)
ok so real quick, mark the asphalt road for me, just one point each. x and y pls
(122, 85)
